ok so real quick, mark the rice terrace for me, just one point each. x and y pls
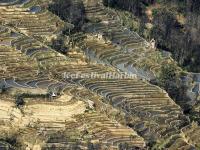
(99, 75)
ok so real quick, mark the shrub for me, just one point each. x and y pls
(59, 45)
(168, 73)
(2, 88)
(10, 142)
(169, 80)
(19, 101)
(71, 11)
(155, 12)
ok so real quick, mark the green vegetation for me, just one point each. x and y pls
(135, 6)
(168, 75)
(2, 89)
(139, 115)
(71, 11)
(169, 80)
(155, 12)
(10, 141)
(19, 101)
(129, 20)
(60, 44)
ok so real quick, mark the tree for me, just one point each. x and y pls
(169, 79)
(2, 88)
(60, 45)
(71, 11)
(19, 101)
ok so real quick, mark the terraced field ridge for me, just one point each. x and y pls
(110, 42)
(82, 99)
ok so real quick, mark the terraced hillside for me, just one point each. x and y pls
(131, 53)
(37, 92)
(52, 101)
(29, 18)
(111, 42)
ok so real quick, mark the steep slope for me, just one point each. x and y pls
(81, 112)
